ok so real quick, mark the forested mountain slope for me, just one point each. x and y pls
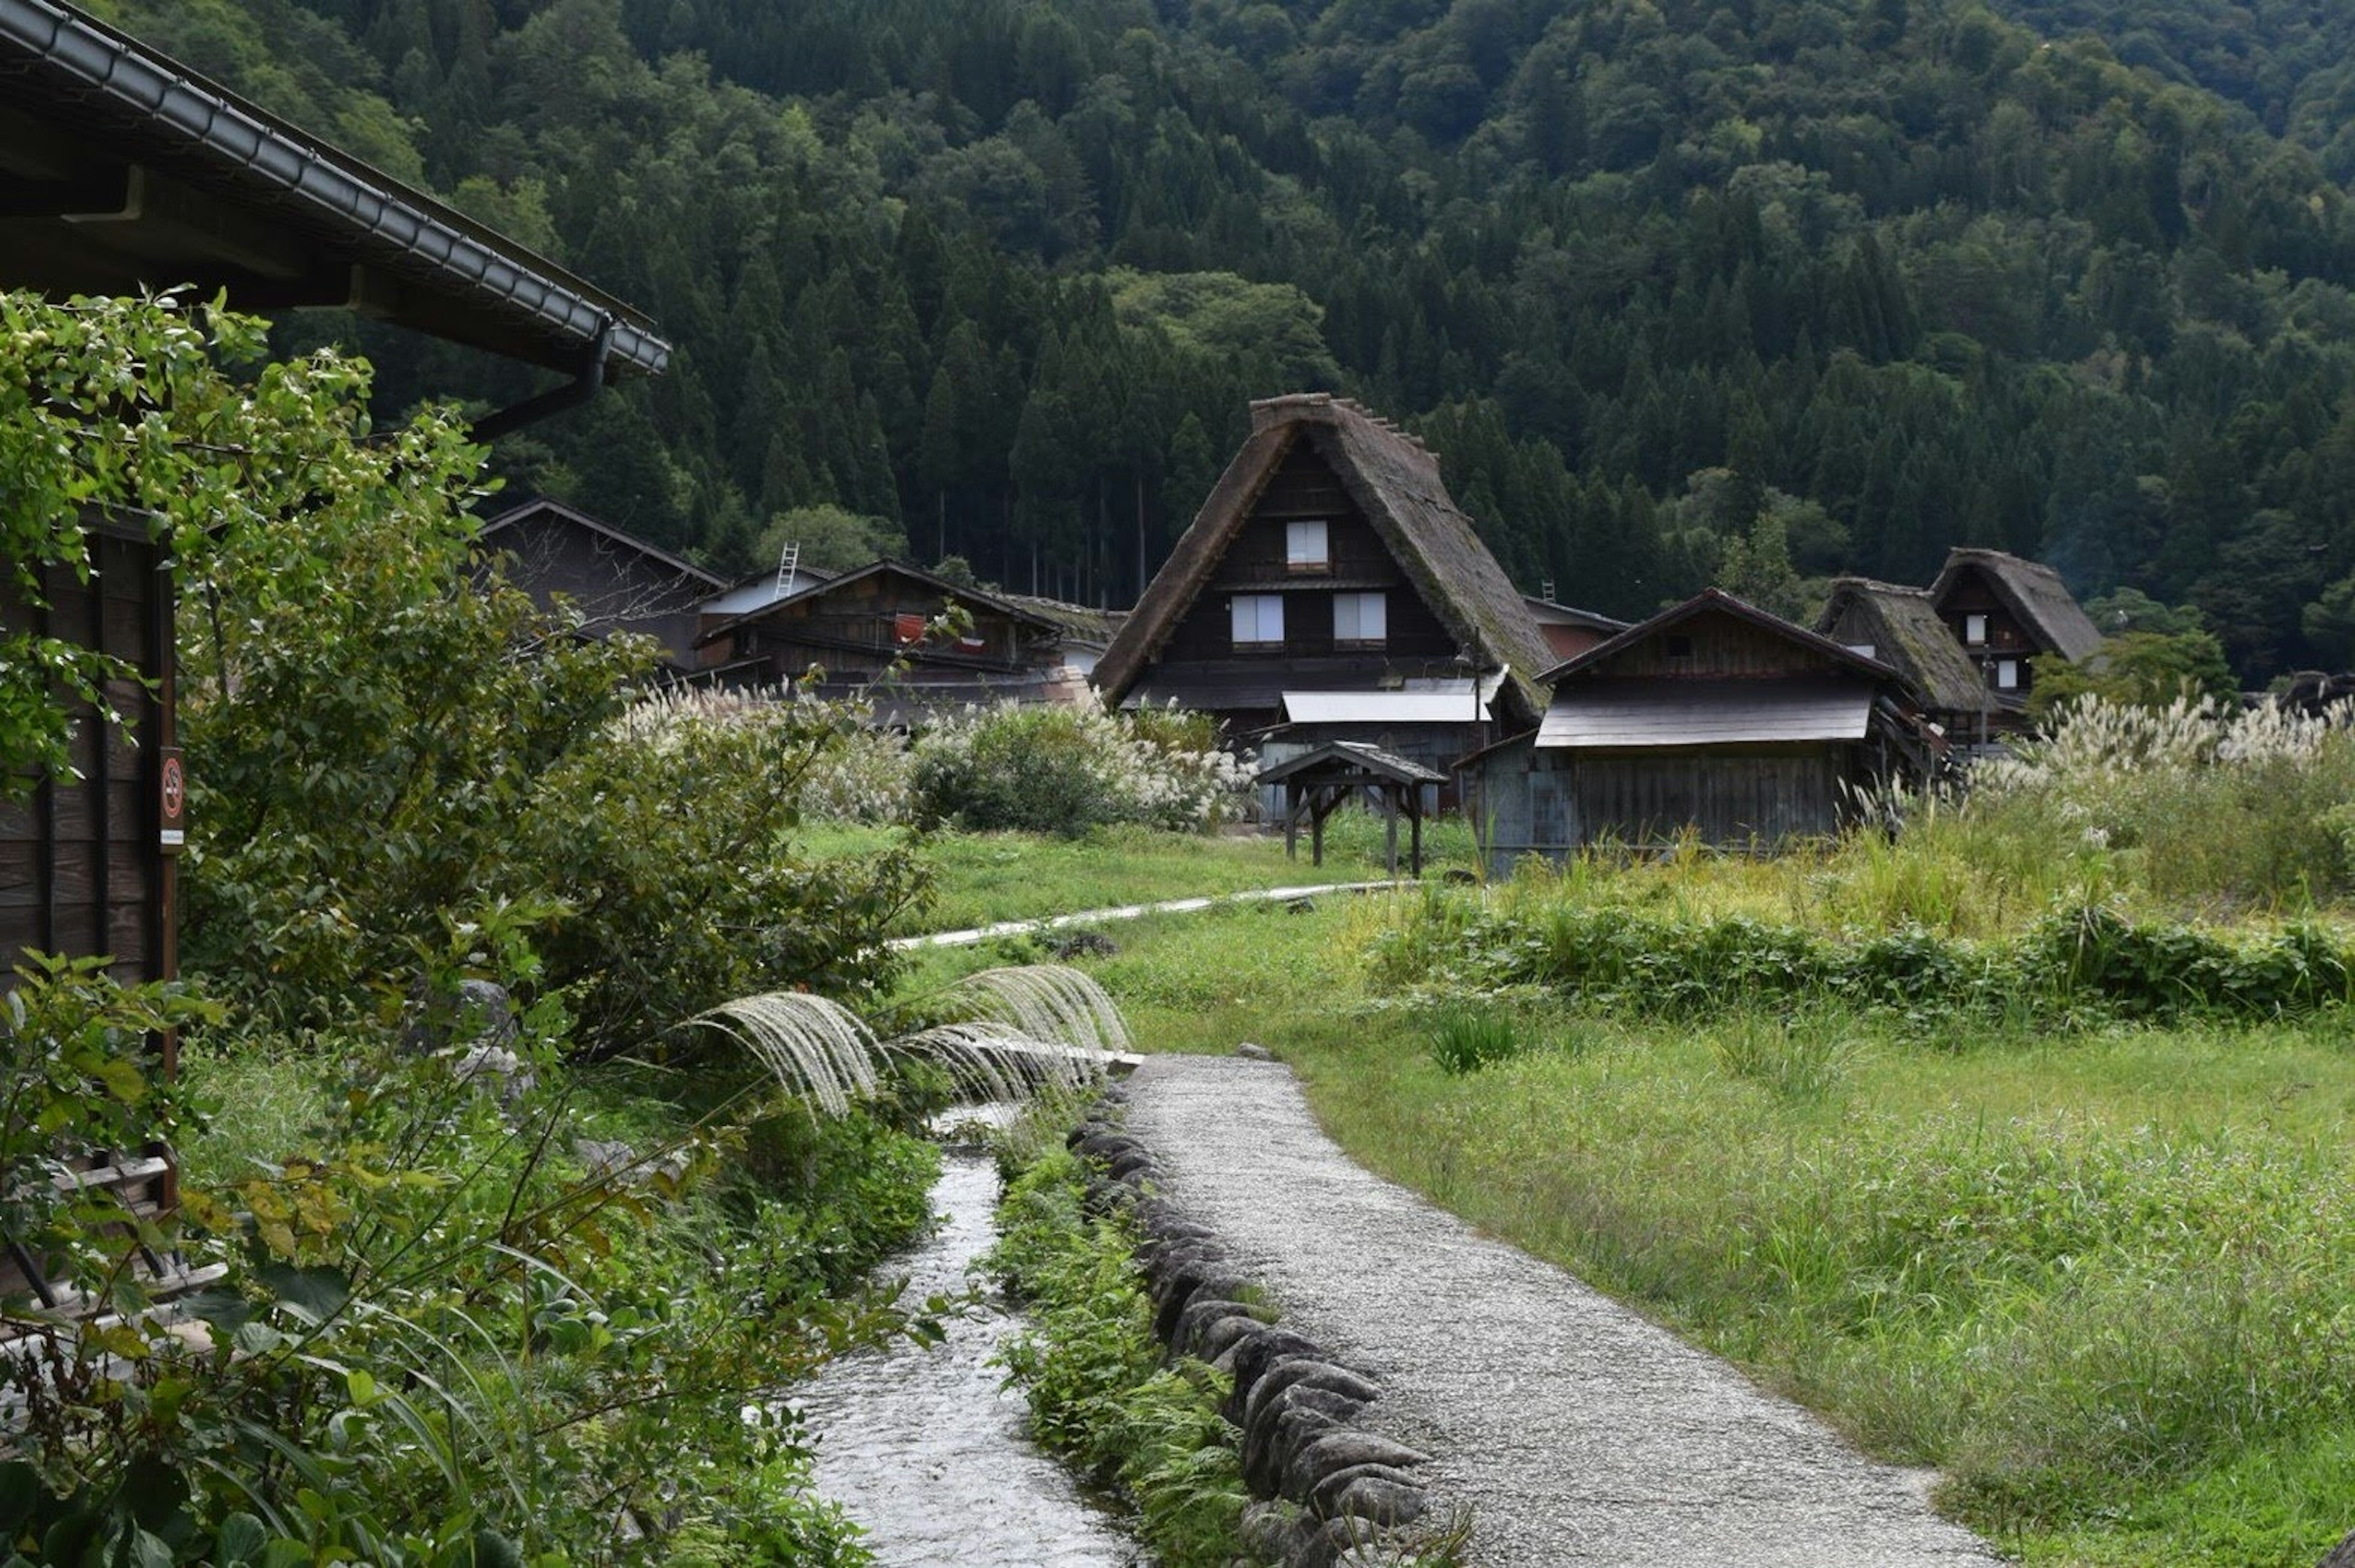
(1666, 280)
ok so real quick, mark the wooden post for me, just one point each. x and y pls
(1389, 826)
(1292, 809)
(1415, 851)
(1316, 825)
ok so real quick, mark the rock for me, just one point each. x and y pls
(1070, 944)
(1219, 1336)
(1338, 1451)
(1207, 1288)
(1136, 1162)
(1264, 1459)
(1325, 1497)
(1300, 906)
(1091, 1128)
(1333, 1539)
(1199, 1315)
(2342, 1556)
(1386, 1503)
(1253, 1356)
(1106, 1148)
(1251, 1053)
(1307, 1372)
(1268, 1530)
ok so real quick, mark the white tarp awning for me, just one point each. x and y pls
(1640, 713)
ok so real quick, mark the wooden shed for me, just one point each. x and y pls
(616, 580)
(1329, 559)
(2007, 614)
(1714, 718)
(857, 626)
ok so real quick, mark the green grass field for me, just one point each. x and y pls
(986, 878)
(2098, 1280)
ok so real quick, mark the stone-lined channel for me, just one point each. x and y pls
(924, 1448)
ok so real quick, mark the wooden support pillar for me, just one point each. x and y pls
(1292, 809)
(1390, 827)
(1415, 852)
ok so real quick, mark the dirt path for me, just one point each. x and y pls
(1577, 1432)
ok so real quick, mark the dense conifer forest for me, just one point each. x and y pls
(1684, 291)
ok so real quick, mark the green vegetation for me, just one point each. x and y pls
(1100, 1393)
(1683, 291)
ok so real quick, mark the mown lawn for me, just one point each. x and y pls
(2100, 1280)
(986, 878)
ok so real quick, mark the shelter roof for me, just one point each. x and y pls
(1546, 613)
(123, 169)
(1350, 759)
(1907, 635)
(2032, 591)
(972, 598)
(1716, 601)
(1461, 707)
(1670, 712)
(622, 539)
(1394, 479)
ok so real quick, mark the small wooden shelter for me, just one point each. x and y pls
(1318, 782)
(2008, 613)
(1329, 558)
(616, 580)
(1714, 718)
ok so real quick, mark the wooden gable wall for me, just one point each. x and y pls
(1306, 488)
(1716, 645)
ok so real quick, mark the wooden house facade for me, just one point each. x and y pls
(617, 582)
(1329, 571)
(1568, 630)
(1714, 718)
(857, 625)
(2007, 614)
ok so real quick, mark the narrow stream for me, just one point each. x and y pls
(923, 1447)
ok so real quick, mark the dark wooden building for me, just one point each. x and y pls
(1900, 627)
(1329, 571)
(617, 582)
(1714, 718)
(2007, 614)
(857, 626)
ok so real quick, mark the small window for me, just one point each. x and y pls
(1975, 630)
(2006, 675)
(1258, 620)
(1360, 620)
(1305, 548)
(1679, 647)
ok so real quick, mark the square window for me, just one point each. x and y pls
(1360, 620)
(2006, 675)
(1679, 647)
(1305, 548)
(1258, 620)
(1975, 630)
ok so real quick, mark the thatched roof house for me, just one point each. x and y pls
(1900, 627)
(2008, 613)
(1328, 557)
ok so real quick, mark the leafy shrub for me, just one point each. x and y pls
(1093, 1375)
(1066, 770)
(1466, 1040)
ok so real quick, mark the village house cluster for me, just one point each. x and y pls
(1333, 606)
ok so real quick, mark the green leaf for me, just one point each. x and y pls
(313, 1294)
(20, 1495)
(493, 1550)
(240, 1540)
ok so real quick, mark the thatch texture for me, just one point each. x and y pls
(1905, 633)
(1394, 480)
(2033, 593)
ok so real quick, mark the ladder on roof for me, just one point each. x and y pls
(789, 565)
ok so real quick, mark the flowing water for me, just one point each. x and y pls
(923, 1447)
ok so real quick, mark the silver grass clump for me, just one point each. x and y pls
(1033, 1028)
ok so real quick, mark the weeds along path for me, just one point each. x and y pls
(1575, 1431)
(980, 934)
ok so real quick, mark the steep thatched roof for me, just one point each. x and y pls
(1394, 480)
(2030, 591)
(1905, 633)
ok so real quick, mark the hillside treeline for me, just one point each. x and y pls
(1669, 284)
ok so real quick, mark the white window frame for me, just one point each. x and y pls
(1309, 546)
(1251, 617)
(1356, 606)
(1975, 630)
(2006, 675)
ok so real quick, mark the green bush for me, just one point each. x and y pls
(1094, 1377)
(1066, 770)
(1466, 1040)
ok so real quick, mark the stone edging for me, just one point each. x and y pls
(1298, 1411)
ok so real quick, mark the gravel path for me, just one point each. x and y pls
(1577, 1432)
(978, 934)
